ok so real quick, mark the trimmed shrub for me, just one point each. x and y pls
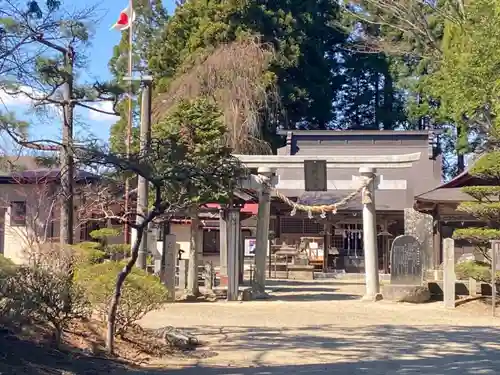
(89, 253)
(141, 292)
(480, 271)
(41, 296)
(103, 234)
(118, 251)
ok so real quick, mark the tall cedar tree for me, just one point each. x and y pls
(305, 35)
(411, 32)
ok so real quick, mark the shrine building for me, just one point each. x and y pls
(335, 242)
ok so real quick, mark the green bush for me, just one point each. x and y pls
(487, 166)
(7, 267)
(104, 233)
(141, 292)
(89, 252)
(41, 296)
(480, 271)
(7, 270)
(118, 251)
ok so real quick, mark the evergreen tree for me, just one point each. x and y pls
(304, 35)
(209, 170)
(368, 99)
(486, 209)
(411, 32)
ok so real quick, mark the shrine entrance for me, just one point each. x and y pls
(334, 244)
(265, 182)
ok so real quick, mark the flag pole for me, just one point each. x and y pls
(129, 124)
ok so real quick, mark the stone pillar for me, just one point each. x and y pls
(196, 243)
(370, 237)
(223, 246)
(208, 275)
(262, 237)
(472, 287)
(169, 249)
(421, 226)
(183, 273)
(233, 253)
(242, 258)
(449, 277)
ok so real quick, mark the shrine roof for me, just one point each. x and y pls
(448, 192)
(44, 175)
(340, 133)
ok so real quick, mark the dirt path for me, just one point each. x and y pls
(323, 328)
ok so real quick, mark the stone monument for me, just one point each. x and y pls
(449, 277)
(169, 247)
(406, 272)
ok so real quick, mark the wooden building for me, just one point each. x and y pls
(441, 203)
(339, 236)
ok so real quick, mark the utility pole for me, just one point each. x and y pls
(128, 142)
(142, 183)
(66, 156)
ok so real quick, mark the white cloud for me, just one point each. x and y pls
(106, 106)
(9, 99)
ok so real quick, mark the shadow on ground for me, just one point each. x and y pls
(306, 297)
(297, 291)
(272, 283)
(24, 357)
(436, 366)
(374, 350)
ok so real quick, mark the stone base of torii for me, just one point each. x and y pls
(231, 241)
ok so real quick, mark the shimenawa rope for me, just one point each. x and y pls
(323, 208)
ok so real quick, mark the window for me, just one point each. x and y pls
(348, 239)
(291, 225)
(211, 241)
(18, 214)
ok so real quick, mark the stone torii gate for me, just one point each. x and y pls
(264, 183)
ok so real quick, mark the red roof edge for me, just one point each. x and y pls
(248, 208)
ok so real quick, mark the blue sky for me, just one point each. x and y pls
(98, 56)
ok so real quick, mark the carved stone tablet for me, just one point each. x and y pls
(406, 261)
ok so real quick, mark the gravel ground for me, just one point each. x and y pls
(322, 327)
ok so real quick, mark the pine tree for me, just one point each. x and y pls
(486, 209)
(41, 44)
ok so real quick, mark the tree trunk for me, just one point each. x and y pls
(192, 288)
(376, 102)
(460, 154)
(113, 307)
(388, 102)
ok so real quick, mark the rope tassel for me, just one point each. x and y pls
(366, 197)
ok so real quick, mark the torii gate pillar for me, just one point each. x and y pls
(262, 237)
(370, 236)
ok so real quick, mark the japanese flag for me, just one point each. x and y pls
(127, 16)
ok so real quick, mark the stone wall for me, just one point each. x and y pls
(421, 226)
